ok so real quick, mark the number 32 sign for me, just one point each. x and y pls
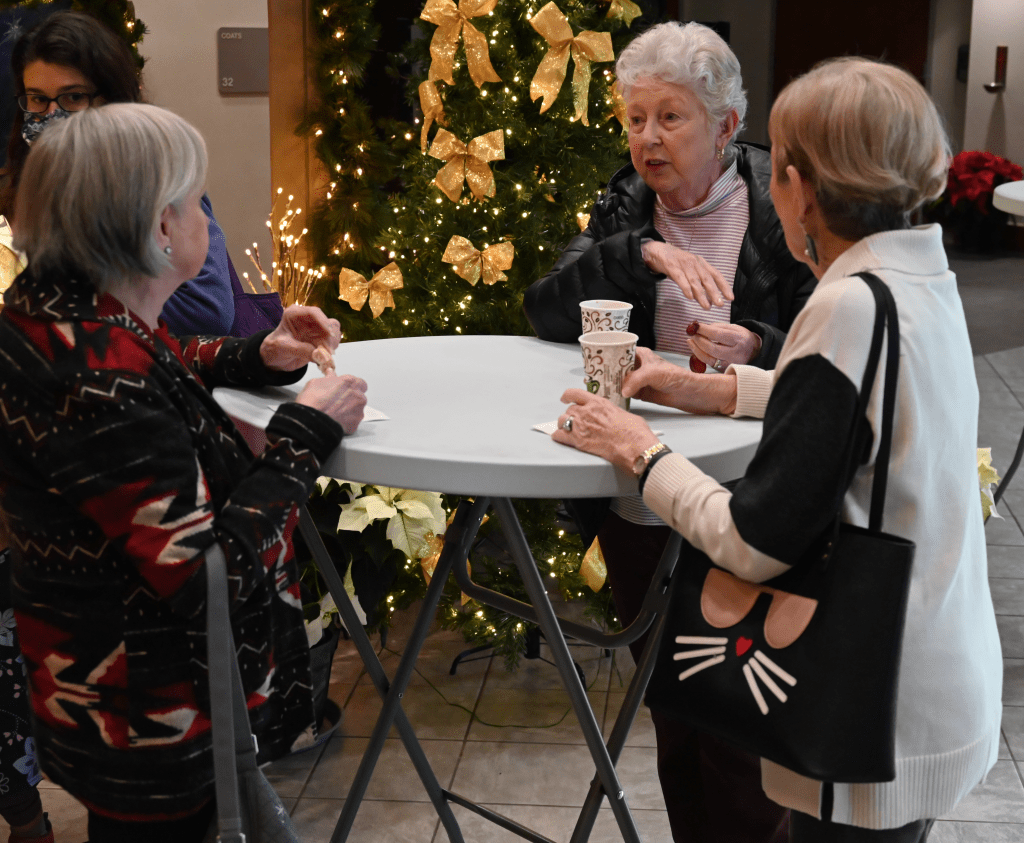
(243, 60)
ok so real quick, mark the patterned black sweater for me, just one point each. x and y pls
(117, 471)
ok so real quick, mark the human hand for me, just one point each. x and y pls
(697, 279)
(718, 344)
(342, 397)
(656, 380)
(600, 428)
(304, 335)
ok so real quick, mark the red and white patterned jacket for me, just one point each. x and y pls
(117, 471)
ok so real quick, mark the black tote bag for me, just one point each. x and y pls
(803, 669)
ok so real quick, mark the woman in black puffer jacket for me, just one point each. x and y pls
(687, 233)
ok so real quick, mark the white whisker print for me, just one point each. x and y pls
(768, 681)
(774, 668)
(686, 674)
(699, 639)
(693, 654)
(752, 682)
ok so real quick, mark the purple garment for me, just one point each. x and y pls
(206, 304)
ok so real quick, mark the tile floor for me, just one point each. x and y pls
(510, 740)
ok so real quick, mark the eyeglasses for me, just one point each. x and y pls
(71, 101)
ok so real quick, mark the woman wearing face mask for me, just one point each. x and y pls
(71, 62)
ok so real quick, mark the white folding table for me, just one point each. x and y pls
(460, 415)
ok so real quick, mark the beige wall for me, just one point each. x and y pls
(994, 121)
(181, 74)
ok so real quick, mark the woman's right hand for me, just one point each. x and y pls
(656, 380)
(342, 397)
(697, 279)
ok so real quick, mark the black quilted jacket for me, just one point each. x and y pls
(604, 261)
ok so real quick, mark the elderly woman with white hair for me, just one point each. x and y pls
(118, 471)
(686, 233)
(857, 146)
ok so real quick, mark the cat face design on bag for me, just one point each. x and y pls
(725, 601)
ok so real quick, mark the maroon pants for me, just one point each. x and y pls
(712, 791)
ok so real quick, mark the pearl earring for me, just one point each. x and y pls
(167, 251)
(720, 153)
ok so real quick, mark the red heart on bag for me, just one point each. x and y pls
(742, 645)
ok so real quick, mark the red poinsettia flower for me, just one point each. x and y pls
(974, 176)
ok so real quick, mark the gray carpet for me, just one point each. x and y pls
(992, 290)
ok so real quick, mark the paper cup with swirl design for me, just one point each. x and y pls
(608, 356)
(605, 315)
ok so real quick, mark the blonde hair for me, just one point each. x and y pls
(867, 137)
(95, 185)
(691, 55)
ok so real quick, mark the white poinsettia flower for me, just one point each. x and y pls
(411, 516)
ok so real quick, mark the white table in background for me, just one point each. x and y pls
(460, 415)
(1009, 197)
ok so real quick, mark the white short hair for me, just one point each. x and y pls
(691, 55)
(95, 185)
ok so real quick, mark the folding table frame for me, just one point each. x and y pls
(458, 541)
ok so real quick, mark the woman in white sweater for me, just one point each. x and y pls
(857, 146)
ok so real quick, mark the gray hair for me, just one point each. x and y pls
(868, 138)
(691, 55)
(95, 185)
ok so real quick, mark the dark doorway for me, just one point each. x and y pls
(808, 31)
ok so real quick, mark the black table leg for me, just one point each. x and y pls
(459, 537)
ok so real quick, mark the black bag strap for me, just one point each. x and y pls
(233, 748)
(885, 317)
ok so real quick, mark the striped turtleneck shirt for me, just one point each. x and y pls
(713, 230)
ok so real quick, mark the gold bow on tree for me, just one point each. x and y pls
(584, 48)
(355, 289)
(452, 21)
(467, 163)
(472, 264)
(625, 10)
(432, 108)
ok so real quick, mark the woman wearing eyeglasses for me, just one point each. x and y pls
(71, 62)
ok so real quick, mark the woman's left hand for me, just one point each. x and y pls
(600, 428)
(305, 335)
(719, 344)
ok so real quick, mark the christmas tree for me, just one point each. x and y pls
(519, 129)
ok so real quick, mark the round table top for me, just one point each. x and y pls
(461, 411)
(1009, 197)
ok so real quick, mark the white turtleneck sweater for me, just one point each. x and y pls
(949, 707)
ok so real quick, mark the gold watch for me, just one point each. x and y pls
(644, 460)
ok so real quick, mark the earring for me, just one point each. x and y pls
(720, 153)
(810, 249)
(167, 251)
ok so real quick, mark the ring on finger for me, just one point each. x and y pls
(567, 424)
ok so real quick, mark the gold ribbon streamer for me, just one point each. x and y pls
(467, 163)
(593, 568)
(432, 108)
(472, 264)
(586, 47)
(625, 10)
(435, 544)
(618, 105)
(355, 289)
(451, 22)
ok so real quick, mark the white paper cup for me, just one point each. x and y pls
(608, 356)
(605, 315)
